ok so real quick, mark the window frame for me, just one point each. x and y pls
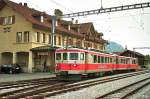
(26, 37)
(74, 58)
(60, 58)
(37, 36)
(63, 56)
(19, 38)
(83, 57)
(94, 58)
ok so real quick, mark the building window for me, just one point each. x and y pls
(26, 36)
(79, 43)
(49, 40)
(85, 44)
(95, 46)
(44, 38)
(38, 37)
(59, 40)
(70, 41)
(7, 20)
(19, 37)
(55, 40)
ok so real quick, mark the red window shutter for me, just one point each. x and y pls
(1, 20)
(13, 19)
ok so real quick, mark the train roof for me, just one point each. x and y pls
(90, 51)
(81, 50)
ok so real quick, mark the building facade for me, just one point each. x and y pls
(134, 54)
(25, 36)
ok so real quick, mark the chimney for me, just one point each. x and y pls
(25, 4)
(69, 27)
(72, 20)
(20, 4)
(76, 22)
(42, 18)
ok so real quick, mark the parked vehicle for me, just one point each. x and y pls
(11, 68)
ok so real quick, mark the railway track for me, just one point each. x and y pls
(25, 83)
(47, 90)
(127, 91)
(78, 86)
(18, 86)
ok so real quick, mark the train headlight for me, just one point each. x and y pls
(74, 65)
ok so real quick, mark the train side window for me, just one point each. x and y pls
(99, 59)
(95, 59)
(82, 56)
(102, 59)
(119, 61)
(110, 60)
(65, 56)
(73, 56)
(125, 62)
(105, 59)
(134, 61)
(58, 56)
(128, 61)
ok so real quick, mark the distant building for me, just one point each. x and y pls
(130, 53)
(147, 61)
(25, 36)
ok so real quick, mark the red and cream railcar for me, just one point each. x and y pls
(73, 63)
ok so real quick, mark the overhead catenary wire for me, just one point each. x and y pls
(133, 17)
(35, 5)
(60, 5)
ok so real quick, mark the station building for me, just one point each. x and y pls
(129, 53)
(25, 36)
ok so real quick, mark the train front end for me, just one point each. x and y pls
(70, 64)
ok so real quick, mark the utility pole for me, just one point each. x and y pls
(53, 30)
(101, 4)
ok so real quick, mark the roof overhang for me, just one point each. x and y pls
(44, 49)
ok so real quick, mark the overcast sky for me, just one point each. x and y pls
(131, 28)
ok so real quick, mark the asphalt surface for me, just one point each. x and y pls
(23, 76)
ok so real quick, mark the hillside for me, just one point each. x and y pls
(114, 47)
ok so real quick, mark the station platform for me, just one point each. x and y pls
(24, 76)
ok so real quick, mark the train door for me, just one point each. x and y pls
(86, 61)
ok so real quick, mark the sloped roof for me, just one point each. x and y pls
(84, 27)
(122, 53)
(28, 13)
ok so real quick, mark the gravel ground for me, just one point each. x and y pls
(98, 90)
(142, 94)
